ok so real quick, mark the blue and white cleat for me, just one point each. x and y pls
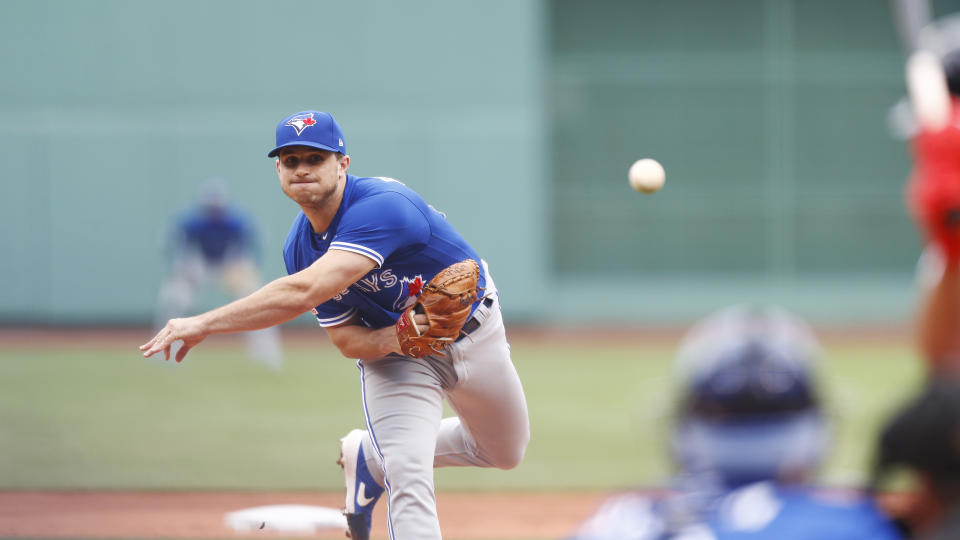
(362, 490)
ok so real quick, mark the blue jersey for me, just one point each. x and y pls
(216, 234)
(767, 511)
(384, 220)
(757, 511)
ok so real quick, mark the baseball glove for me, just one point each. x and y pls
(445, 300)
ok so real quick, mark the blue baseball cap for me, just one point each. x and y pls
(309, 128)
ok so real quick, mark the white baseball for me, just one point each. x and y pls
(646, 175)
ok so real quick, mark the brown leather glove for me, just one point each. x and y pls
(446, 301)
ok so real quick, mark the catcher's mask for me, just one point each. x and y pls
(749, 409)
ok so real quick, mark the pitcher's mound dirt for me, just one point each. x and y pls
(463, 516)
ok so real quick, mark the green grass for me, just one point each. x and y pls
(108, 419)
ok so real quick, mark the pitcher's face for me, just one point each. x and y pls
(310, 176)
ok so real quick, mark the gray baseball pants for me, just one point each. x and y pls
(407, 436)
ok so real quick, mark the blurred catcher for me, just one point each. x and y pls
(214, 243)
(748, 438)
(397, 287)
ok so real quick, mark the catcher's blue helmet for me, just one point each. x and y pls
(749, 408)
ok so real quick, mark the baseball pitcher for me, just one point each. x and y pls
(396, 287)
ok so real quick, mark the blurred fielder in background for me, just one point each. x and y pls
(748, 437)
(213, 243)
(361, 254)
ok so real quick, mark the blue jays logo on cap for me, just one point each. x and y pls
(309, 128)
(301, 122)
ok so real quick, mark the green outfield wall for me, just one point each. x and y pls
(519, 119)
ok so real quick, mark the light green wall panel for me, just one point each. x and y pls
(114, 112)
(517, 118)
(784, 184)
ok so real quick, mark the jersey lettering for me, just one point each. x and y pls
(369, 284)
(387, 278)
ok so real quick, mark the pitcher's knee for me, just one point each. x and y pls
(511, 461)
(509, 456)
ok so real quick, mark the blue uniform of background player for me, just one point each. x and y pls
(215, 243)
(748, 438)
(358, 253)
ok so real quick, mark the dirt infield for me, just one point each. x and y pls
(464, 516)
(201, 515)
